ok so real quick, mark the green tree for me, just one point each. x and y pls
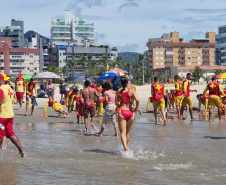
(54, 69)
(207, 79)
(198, 73)
(64, 70)
(105, 62)
(72, 65)
(218, 71)
(161, 76)
(83, 61)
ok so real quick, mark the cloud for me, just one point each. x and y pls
(99, 37)
(79, 5)
(129, 4)
(205, 11)
(128, 47)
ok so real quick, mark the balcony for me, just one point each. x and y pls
(181, 55)
(181, 50)
(182, 61)
(169, 55)
(206, 55)
(168, 61)
(206, 61)
(169, 50)
(206, 49)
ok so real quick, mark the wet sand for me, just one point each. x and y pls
(58, 151)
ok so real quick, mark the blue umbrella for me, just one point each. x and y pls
(107, 76)
(81, 78)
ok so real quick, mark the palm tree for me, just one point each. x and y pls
(118, 61)
(72, 65)
(198, 73)
(64, 70)
(83, 61)
(104, 61)
(218, 71)
(54, 69)
(160, 76)
(207, 79)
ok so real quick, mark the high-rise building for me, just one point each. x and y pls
(18, 60)
(71, 29)
(221, 46)
(15, 31)
(168, 52)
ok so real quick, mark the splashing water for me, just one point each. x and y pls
(161, 167)
(138, 153)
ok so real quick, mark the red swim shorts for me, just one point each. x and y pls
(8, 124)
(19, 96)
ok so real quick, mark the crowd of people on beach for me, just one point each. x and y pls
(115, 98)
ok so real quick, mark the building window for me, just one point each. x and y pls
(156, 58)
(26, 53)
(161, 52)
(161, 58)
(156, 47)
(199, 58)
(157, 63)
(189, 63)
(206, 47)
(169, 52)
(189, 53)
(161, 63)
(161, 46)
(169, 58)
(3, 42)
(199, 52)
(156, 52)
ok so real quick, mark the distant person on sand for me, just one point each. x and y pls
(20, 89)
(215, 100)
(158, 92)
(7, 115)
(116, 83)
(88, 95)
(187, 97)
(124, 101)
(63, 89)
(30, 87)
(50, 87)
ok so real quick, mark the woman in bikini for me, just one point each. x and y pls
(124, 101)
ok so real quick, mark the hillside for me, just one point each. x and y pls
(129, 56)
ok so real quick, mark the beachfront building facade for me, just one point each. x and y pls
(169, 52)
(15, 32)
(71, 29)
(221, 46)
(18, 60)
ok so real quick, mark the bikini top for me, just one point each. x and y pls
(125, 98)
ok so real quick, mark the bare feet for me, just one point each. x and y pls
(26, 114)
(22, 153)
(164, 123)
(156, 123)
(3, 148)
(99, 134)
(193, 117)
(64, 115)
(116, 135)
(32, 113)
(20, 108)
(92, 125)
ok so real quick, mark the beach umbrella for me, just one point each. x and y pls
(47, 75)
(221, 76)
(107, 76)
(117, 71)
(26, 78)
(81, 78)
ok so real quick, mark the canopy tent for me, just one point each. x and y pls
(117, 71)
(47, 75)
(26, 78)
(108, 76)
(81, 78)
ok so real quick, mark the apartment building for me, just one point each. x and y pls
(172, 51)
(71, 29)
(221, 46)
(15, 32)
(18, 60)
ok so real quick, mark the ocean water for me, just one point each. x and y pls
(183, 152)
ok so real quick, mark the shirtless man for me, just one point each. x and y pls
(88, 93)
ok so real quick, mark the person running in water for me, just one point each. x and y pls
(124, 100)
(88, 94)
(158, 92)
(29, 94)
(110, 108)
(187, 98)
(215, 100)
(7, 115)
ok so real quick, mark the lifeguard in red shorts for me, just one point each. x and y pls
(20, 89)
(7, 115)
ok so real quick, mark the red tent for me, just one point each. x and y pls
(117, 71)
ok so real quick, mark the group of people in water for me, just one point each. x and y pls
(121, 102)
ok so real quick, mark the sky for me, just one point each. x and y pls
(125, 24)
